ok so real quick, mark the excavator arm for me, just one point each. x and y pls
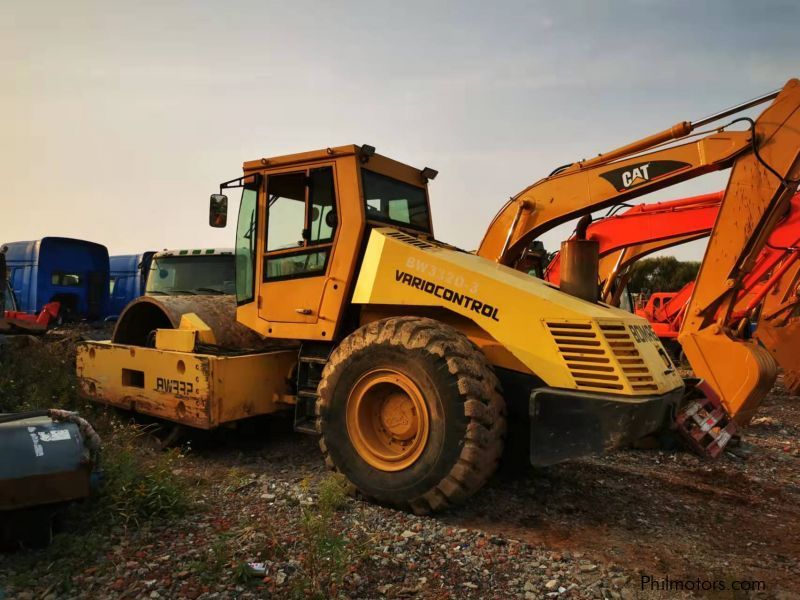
(661, 224)
(590, 186)
(620, 250)
(758, 194)
(615, 177)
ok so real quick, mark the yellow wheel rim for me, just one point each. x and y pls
(387, 419)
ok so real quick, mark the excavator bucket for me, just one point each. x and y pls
(741, 373)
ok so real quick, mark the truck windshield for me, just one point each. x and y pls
(192, 274)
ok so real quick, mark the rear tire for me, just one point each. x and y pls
(410, 412)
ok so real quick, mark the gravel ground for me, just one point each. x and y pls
(395, 554)
(586, 529)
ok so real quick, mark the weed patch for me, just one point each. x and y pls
(140, 486)
(36, 374)
(324, 554)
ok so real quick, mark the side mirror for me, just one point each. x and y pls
(218, 210)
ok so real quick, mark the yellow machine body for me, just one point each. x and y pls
(567, 342)
(521, 324)
(198, 390)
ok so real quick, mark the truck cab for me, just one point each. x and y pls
(128, 276)
(72, 272)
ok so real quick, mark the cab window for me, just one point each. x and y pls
(245, 245)
(65, 279)
(395, 202)
(286, 216)
(301, 223)
(323, 216)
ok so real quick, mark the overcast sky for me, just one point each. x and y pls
(120, 118)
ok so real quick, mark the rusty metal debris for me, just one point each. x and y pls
(48, 460)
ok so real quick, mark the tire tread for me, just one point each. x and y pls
(478, 390)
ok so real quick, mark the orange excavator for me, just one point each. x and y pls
(764, 159)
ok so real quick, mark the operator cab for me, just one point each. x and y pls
(302, 227)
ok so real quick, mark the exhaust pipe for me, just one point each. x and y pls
(580, 264)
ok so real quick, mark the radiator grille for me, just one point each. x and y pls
(628, 357)
(604, 360)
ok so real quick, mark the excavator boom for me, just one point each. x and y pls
(612, 178)
(765, 162)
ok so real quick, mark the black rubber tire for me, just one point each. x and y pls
(462, 393)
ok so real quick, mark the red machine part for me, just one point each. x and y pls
(646, 223)
(19, 321)
(773, 263)
(675, 221)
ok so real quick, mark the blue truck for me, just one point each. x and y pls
(73, 272)
(128, 279)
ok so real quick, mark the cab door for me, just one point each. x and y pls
(300, 224)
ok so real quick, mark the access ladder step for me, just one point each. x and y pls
(305, 412)
(312, 361)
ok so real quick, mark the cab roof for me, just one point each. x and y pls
(366, 153)
(194, 252)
